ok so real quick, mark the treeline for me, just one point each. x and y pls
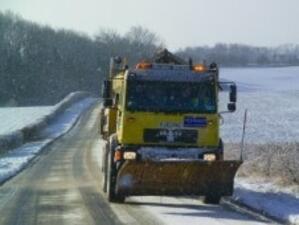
(231, 55)
(40, 65)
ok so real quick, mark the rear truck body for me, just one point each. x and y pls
(161, 123)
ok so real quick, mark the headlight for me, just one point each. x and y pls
(209, 157)
(130, 155)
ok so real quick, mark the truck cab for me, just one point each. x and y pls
(159, 112)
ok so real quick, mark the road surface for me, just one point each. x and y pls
(62, 186)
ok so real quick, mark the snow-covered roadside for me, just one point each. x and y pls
(15, 160)
(15, 118)
(19, 125)
(269, 199)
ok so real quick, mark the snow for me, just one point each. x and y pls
(264, 79)
(269, 199)
(16, 118)
(19, 124)
(271, 96)
(184, 210)
(149, 153)
(15, 160)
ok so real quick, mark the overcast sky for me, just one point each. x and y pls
(180, 23)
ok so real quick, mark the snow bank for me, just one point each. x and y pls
(11, 140)
(27, 131)
(15, 160)
(15, 118)
(268, 199)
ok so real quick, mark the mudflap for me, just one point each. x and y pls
(175, 178)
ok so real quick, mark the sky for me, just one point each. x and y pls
(180, 23)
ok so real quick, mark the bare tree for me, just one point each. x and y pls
(143, 36)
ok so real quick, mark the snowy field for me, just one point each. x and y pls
(271, 96)
(16, 118)
(15, 160)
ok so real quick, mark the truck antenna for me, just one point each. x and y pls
(243, 135)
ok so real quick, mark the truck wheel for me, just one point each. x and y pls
(212, 199)
(104, 168)
(101, 124)
(111, 177)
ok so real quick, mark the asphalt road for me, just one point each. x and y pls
(62, 186)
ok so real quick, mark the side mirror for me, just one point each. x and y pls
(233, 93)
(108, 102)
(106, 89)
(231, 107)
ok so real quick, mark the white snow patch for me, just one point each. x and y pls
(268, 198)
(157, 154)
(15, 160)
(16, 118)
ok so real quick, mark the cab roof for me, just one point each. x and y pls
(169, 72)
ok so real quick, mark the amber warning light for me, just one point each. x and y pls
(144, 66)
(200, 68)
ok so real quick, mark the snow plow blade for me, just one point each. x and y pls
(174, 178)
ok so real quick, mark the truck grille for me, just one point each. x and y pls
(170, 136)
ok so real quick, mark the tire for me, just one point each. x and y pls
(104, 168)
(212, 199)
(101, 125)
(111, 175)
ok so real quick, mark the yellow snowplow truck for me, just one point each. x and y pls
(161, 123)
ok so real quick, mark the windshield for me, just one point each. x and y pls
(171, 96)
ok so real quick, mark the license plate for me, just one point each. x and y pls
(190, 121)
